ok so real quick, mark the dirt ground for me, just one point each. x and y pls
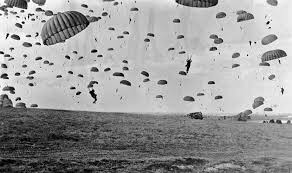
(36, 140)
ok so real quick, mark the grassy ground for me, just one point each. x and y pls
(35, 140)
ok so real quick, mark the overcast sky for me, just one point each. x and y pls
(154, 17)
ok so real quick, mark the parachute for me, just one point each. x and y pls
(15, 37)
(235, 65)
(200, 94)
(198, 3)
(189, 99)
(118, 74)
(125, 82)
(182, 73)
(49, 13)
(134, 9)
(211, 83)
(146, 80)
(94, 69)
(16, 3)
(107, 69)
(176, 21)
(125, 61)
(180, 37)
(162, 82)
(145, 73)
(26, 44)
(264, 64)
(245, 17)
(268, 109)
(218, 97)
(80, 75)
(259, 99)
(39, 2)
(269, 39)
(257, 104)
(235, 55)
(146, 40)
(84, 5)
(150, 35)
(159, 97)
(271, 77)
(93, 51)
(213, 49)
(59, 76)
(70, 72)
(3, 66)
(125, 68)
(273, 54)
(63, 26)
(213, 36)
(31, 72)
(220, 15)
(272, 2)
(218, 41)
(126, 33)
(38, 58)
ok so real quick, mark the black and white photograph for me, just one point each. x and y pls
(145, 86)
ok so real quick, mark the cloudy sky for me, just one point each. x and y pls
(238, 86)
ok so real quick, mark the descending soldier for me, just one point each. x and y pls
(93, 95)
(188, 65)
(282, 90)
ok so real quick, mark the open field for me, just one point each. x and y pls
(36, 140)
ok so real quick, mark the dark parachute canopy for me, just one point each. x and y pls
(218, 97)
(273, 54)
(213, 49)
(159, 97)
(15, 37)
(94, 69)
(235, 65)
(264, 64)
(39, 2)
(125, 82)
(211, 83)
(218, 41)
(268, 109)
(176, 21)
(271, 77)
(162, 82)
(220, 15)
(200, 94)
(118, 74)
(183, 73)
(63, 26)
(269, 39)
(213, 36)
(235, 55)
(272, 2)
(198, 3)
(245, 17)
(189, 99)
(16, 3)
(257, 104)
(259, 99)
(145, 73)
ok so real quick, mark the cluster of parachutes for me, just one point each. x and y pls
(62, 26)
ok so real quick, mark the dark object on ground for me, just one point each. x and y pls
(265, 121)
(272, 121)
(278, 121)
(289, 122)
(196, 115)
